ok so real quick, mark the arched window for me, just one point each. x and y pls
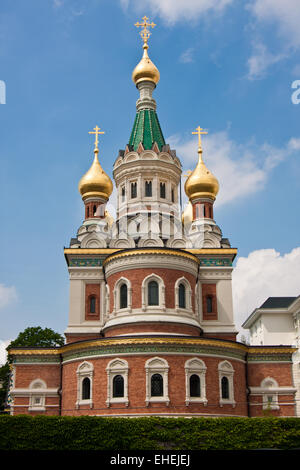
(195, 390)
(148, 188)
(153, 298)
(225, 388)
(123, 194)
(87, 211)
(162, 190)
(209, 304)
(117, 382)
(181, 295)
(123, 296)
(133, 190)
(157, 385)
(94, 210)
(92, 304)
(86, 389)
(118, 386)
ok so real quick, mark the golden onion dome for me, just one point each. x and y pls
(145, 69)
(95, 182)
(201, 182)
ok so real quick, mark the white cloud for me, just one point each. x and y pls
(240, 169)
(187, 56)
(3, 352)
(285, 13)
(264, 273)
(172, 11)
(261, 60)
(7, 295)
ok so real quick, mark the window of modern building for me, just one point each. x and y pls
(148, 188)
(157, 385)
(123, 296)
(153, 296)
(118, 386)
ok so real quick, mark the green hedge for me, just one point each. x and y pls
(95, 433)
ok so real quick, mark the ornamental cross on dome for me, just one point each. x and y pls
(145, 33)
(199, 131)
(97, 132)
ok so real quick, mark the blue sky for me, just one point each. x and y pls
(224, 64)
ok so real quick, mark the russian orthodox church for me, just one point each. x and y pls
(151, 326)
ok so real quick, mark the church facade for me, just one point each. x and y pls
(151, 326)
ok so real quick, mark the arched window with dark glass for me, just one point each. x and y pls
(162, 190)
(92, 301)
(118, 386)
(87, 211)
(86, 389)
(209, 304)
(181, 295)
(123, 194)
(133, 190)
(195, 390)
(153, 298)
(225, 387)
(123, 296)
(157, 385)
(148, 188)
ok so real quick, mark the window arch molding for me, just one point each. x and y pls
(85, 370)
(37, 397)
(269, 389)
(161, 292)
(196, 367)
(226, 371)
(117, 295)
(188, 294)
(117, 367)
(153, 366)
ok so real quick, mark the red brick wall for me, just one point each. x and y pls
(136, 277)
(137, 388)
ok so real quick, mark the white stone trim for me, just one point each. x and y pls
(225, 369)
(117, 367)
(84, 370)
(161, 294)
(188, 295)
(117, 286)
(37, 392)
(157, 365)
(270, 388)
(195, 366)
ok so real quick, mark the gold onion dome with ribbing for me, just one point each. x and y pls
(201, 183)
(145, 69)
(95, 182)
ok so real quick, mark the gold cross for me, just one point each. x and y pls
(199, 131)
(188, 173)
(97, 132)
(145, 33)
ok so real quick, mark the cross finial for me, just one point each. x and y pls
(199, 131)
(97, 132)
(145, 33)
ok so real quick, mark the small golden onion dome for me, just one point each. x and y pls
(201, 182)
(187, 215)
(145, 69)
(95, 182)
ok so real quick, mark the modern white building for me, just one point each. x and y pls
(277, 322)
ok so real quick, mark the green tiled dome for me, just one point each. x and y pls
(146, 130)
